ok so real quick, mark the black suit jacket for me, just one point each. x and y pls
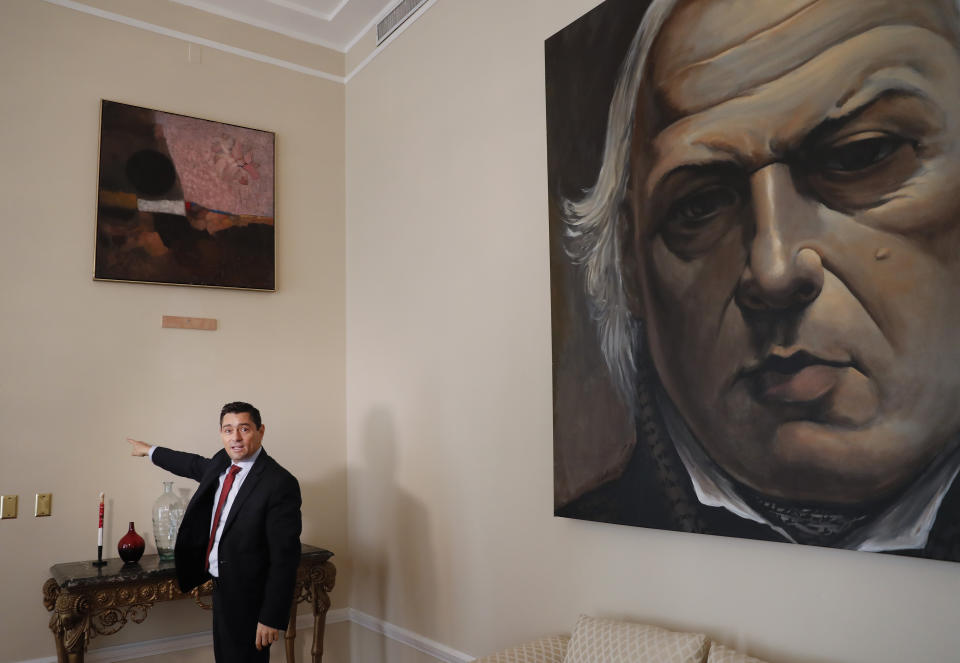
(260, 546)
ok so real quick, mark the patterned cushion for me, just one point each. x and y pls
(721, 654)
(608, 641)
(545, 650)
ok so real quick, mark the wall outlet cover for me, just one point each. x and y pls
(42, 504)
(8, 506)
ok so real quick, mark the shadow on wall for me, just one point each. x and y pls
(393, 558)
(319, 497)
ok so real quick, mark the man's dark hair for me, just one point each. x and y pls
(237, 407)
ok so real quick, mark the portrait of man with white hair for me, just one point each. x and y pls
(755, 269)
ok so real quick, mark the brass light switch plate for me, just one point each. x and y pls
(41, 506)
(8, 506)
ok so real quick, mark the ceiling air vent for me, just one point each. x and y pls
(396, 17)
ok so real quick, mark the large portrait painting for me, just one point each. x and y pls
(755, 270)
(184, 201)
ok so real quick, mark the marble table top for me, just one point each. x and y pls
(74, 575)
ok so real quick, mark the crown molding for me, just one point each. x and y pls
(196, 39)
(302, 9)
(240, 17)
(242, 52)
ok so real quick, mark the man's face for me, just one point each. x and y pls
(796, 198)
(241, 437)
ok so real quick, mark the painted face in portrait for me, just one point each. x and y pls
(796, 238)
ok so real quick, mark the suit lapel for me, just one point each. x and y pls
(245, 489)
(195, 528)
(208, 484)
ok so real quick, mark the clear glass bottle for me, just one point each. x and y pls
(167, 514)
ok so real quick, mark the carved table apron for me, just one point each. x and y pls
(87, 601)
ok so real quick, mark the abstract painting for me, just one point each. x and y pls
(753, 242)
(184, 201)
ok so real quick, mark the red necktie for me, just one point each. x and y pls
(227, 485)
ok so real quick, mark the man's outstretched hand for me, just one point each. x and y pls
(138, 448)
(266, 636)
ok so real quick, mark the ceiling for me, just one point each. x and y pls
(335, 24)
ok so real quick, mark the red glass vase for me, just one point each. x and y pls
(130, 546)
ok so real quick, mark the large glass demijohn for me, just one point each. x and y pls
(167, 514)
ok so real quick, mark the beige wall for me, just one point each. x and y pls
(449, 392)
(85, 364)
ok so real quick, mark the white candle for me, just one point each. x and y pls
(100, 525)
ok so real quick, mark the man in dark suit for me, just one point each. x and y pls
(242, 528)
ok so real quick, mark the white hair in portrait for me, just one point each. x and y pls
(592, 222)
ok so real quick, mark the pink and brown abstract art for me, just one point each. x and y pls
(184, 201)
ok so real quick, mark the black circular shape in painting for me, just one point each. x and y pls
(151, 172)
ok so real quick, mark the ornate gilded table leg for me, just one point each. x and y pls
(80, 614)
(322, 580)
(70, 622)
(290, 635)
(51, 590)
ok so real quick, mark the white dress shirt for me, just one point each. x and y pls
(904, 525)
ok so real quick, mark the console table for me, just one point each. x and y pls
(87, 601)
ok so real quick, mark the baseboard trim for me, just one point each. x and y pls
(304, 621)
(409, 638)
